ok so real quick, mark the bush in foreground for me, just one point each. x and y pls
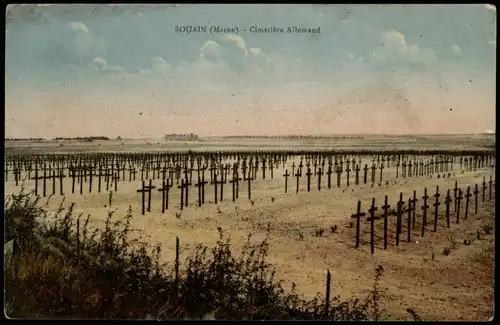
(57, 267)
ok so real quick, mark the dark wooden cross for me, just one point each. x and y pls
(366, 173)
(476, 192)
(308, 174)
(17, 173)
(61, 176)
(436, 208)
(490, 183)
(143, 191)
(297, 176)
(286, 180)
(372, 210)
(249, 179)
(357, 216)
(339, 172)
(424, 209)
(347, 171)
(356, 180)
(373, 172)
(184, 187)
(399, 213)
(233, 182)
(165, 190)
(467, 198)
(381, 170)
(264, 168)
(447, 201)
(329, 173)
(6, 172)
(458, 201)
(221, 182)
(455, 195)
(484, 188)
(319, 173)
(386, 207)
(410, 209)
(45, 177)
(53, 176)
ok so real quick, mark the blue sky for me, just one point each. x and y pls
(76, 70)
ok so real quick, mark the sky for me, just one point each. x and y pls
(125, 70)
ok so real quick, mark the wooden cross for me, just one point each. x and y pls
(381, 170)
(233, 182)
(476, 192)
(399, 213)
(143, 191)
(424, 209)
(347, 171)
(467, 198)
(447, 201)
(319, 173)
(90, 178)
(358, 215)
(297, 175)
(386, 207)
(164, 189)
(458, 200)
(6, 172)
(455, 195)
(116, 177)
(221, 182)
(490, 183)
(264, 168)
(339, 172)
(366, 172)
(36, 178)
(286, 180)
(484, 188)
(61, 176)
(329, 173)
(436, 207)
(372, 210)
(184, 188)
(17, 172)
(373, 172)
(308, 174)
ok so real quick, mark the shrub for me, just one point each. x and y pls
(61, 268)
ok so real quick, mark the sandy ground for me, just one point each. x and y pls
(454, 287)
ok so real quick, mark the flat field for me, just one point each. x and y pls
(417, 274)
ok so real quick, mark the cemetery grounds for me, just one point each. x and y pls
(417, 275)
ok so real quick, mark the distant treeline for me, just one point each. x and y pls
(183, 137)
(24, 139)
(292, 137)
(83, 138)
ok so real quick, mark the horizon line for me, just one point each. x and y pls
(261, 135)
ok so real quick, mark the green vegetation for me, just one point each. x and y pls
(57, 267)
